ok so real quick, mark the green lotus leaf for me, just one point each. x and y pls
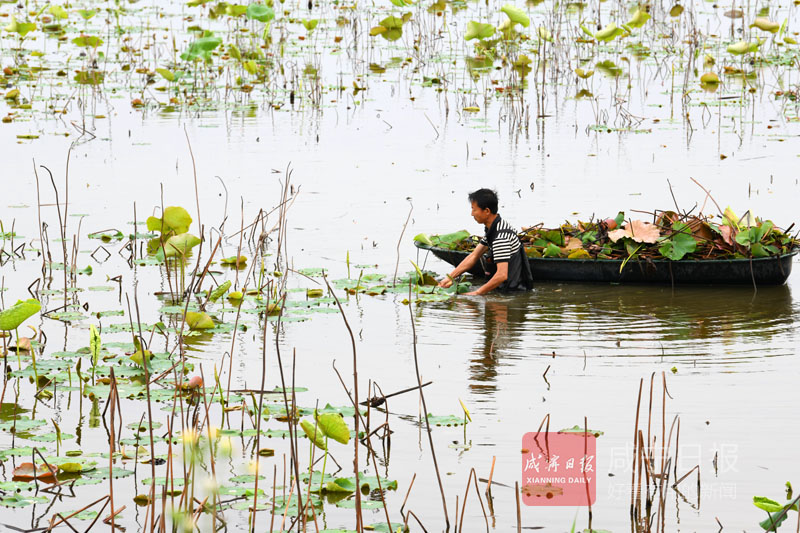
(639, 19)
(516, 15)
(86, 41)
(179, 245)
(478, 30)
(609, 33)
(197, 321)
(201, 49)
(332, 426)
(220, 291)
(260, 13)
(14, 316)
(314, 433)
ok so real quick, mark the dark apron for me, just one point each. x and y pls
(520, 277)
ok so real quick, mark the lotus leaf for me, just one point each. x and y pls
(201, 49)
(639, 19)
(764, 24)
(260, 13)
(314, 433)
(12, 317)
(609, 33)
(516, 15)
(197, 321)
(180, 245)
(332, 426)
(478, 30)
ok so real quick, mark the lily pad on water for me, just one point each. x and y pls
(21, 424)
(383, 527)
(446, 420)
(578, 430)
(17, 486)
(50, 437)
(20, 500)
(246, 479)
(365, 504)
(105, 473)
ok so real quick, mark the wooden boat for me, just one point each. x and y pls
(763, 271)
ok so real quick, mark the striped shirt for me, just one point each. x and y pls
(502, 240)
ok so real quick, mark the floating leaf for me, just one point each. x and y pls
(676, 10)
(445, 420)
(579, 430)
(309, 25)
(29, 472)
(237, 261)
(341, 484)
(19, 500)
(71, 468)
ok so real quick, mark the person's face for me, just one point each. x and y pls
(481, 216)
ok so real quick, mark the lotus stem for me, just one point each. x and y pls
(324, 462)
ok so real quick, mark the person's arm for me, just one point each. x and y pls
(464, 265)
(499, 277)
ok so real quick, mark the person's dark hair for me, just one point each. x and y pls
(484, 198)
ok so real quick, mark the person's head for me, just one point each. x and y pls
(484, 205)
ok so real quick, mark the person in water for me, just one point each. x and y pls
(506, 263)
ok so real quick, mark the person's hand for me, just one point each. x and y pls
(446, 283)
(472, 293)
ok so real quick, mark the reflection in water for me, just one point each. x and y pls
(502, 318)
(610, 322)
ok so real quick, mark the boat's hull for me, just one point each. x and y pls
(763, 271)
